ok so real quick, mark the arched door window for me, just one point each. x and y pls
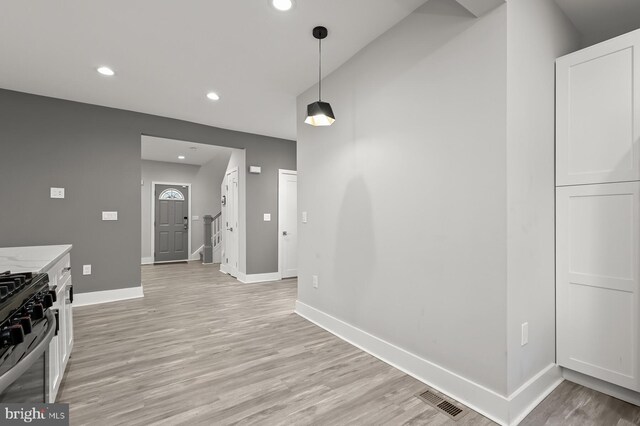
(171, 194)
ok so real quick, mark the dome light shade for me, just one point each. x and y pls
(282, 5)
(320, 114)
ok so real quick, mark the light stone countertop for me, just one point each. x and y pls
(31, 259)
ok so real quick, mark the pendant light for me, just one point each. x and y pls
(320, 113)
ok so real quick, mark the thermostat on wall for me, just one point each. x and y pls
(255, 169)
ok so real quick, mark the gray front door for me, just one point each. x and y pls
(171, 223)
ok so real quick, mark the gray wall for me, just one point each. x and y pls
(406, 192)
(205, 194)
(94, 152)
(538, 33)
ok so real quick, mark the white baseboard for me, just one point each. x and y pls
(531, 394)
(610, 389)
(196, 254)
(258, 278)
(96, 297)
(146, 261)
(507, 411)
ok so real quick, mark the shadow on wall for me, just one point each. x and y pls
(355, 256)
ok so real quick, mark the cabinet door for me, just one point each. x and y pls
(598, 113)
(68, 317)
(597, 281)
(54, 368)
(62, 334)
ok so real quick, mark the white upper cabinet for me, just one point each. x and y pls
(598, 113)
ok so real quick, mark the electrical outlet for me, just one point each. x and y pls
(57, 192)
(86, 269)
(304, 217)
(525, 334)
(267, 217)
(315, 281)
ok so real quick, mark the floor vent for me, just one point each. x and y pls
(445, 405)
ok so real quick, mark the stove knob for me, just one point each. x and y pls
(24, 322)
(36, 311)
(47, 301)
(12, 335)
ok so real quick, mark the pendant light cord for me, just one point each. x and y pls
(320, 70)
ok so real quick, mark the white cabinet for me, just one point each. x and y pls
(61, 345)
(598, 113)
(598, 244)
(598, 210)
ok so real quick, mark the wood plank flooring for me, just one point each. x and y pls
(573, 405)
(202, 348)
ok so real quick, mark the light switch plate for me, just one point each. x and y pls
(255, 169)
(109, 215)
(267, 217)
(315, 281)
(195, 217)
(57, 192)
(304, 217)
(525, 334)
(86, 269)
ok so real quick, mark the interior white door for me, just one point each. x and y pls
(598, 244)
(288, 223)
(230, 211)
(597, 113)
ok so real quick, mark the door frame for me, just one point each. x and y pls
(282, 172)
(223, 267)
(153, 218)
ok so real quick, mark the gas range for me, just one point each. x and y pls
(27, 326)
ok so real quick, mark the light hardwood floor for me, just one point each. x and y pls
(202, 348)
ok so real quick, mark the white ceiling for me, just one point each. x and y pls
(168, 54)
(600, 20)
(168, 150)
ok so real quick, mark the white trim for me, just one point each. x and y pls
(529, 395)
(96, 297)
(610, 389)
(224, 269)
(281, 172)
(146, 261)
(153, 216)
(258, 278)
(507, 411)
(196, 254)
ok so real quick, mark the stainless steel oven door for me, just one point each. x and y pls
(27, 380)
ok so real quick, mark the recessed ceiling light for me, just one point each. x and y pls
(213, 96)
(282, 5)
(193, 147)
(106, 71)
(181, 157)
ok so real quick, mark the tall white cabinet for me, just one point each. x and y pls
(598, 211)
